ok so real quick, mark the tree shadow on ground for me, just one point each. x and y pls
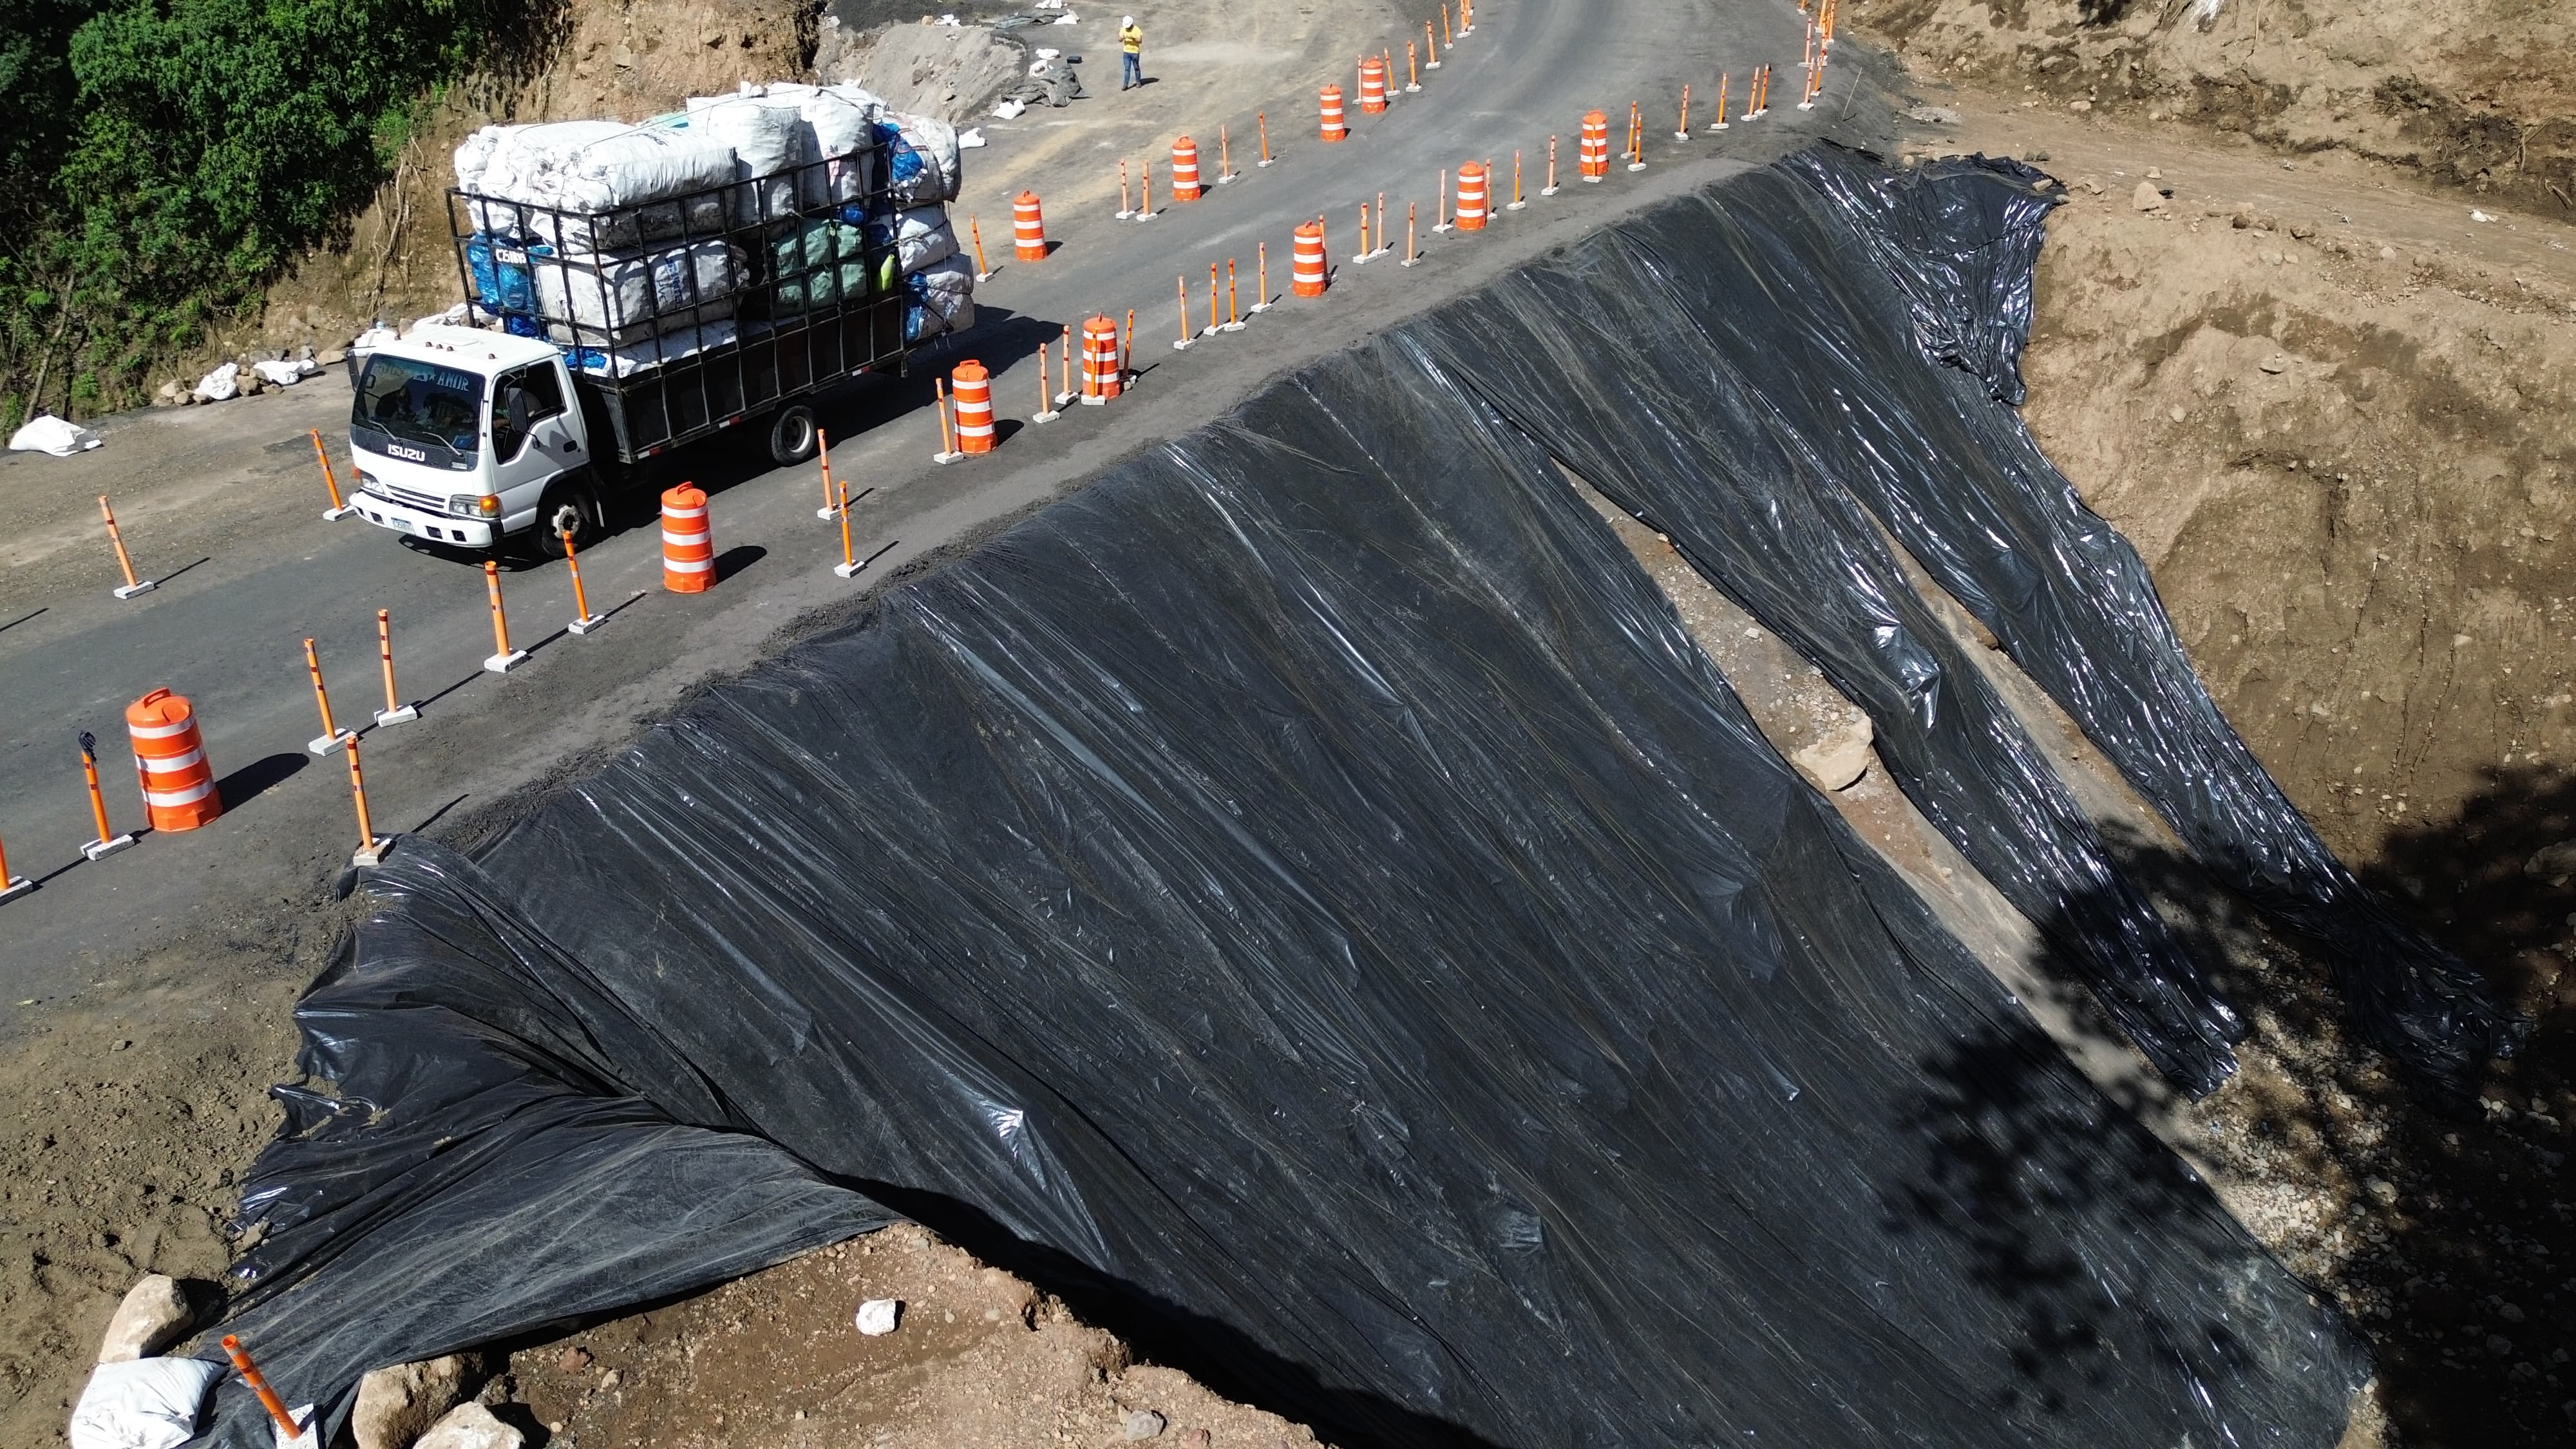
(2449, 1244)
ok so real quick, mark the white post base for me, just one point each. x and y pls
(1681, 135)
(1806, 105)
(1181, 344)
(827, 514)
(1547, 191)
(585, 623)
(1129, 214)
(1050, 415)
(1229, 327)
(1411, 88)
(330, 744)
(504, 663)
(334, 515)
(944, 459)
(1433, 65)
(1514, 205)
(404, 715)
(370, 854)
(1410, 262)
(1256, 309)
(18, 885)
(1095, 400)
(1591, 180)
(145, 587)
(1147, 215)
(1720, 126)
(849, 570)
(1636, 165)
(98, 848)
(1261, 163)
(1443, 226)
(1362, 257)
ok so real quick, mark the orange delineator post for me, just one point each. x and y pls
(1065, 373)
(395, 711)
(1145, 191)
(1550, 188)
(1516, 202)
(11, 885)
(268, 1398)
(1224, 155)
(1444, 26)
(1262, 119)
(1363, 253)
(1440, 203)
(332, 737)
(1212, 322)
(973, 386)
(371, 846)
(583, 619)
(849, 565)
(1412, 67)
(975, 230)
(688, 541)
(1126, 194)
(1682, 133)
(1721, 102)
(1334, 130)
(339, 508)
(948, 450)
(124, 560)
(1411, 253)
(1260, 280)
(504, 658)
(1383, 245)
(1185, 169)
(1636, 137)
(170, 762)
(1233, 309)
(1046, 412)
(1433, 50)
(1184, 284)
(1127, 349)
(106, 843)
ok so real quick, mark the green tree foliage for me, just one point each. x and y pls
(165, 158)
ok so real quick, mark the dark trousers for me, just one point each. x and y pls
(1135, 72)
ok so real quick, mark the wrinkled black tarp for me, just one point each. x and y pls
(1307, 897)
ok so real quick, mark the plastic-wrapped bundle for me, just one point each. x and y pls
(841, 119)
(942, 299)
(818, 263)
(770, 141)
(619, 186)
(500, 272)
(920, 157)
(919, 238)
(625, 299)
(651, 352)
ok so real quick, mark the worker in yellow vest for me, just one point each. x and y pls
(1131, 39)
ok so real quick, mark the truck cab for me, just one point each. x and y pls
(467, 437)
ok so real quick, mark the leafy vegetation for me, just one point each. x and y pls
(160, 160)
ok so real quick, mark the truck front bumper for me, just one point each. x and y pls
(421, 523)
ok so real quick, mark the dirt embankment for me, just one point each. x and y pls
(627, 60)
(2475, 93)
(2332, 410)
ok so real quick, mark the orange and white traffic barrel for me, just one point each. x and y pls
(178, 781)
(1372, 85)
(1594, 160)
(1306, 277)
(1185, 169)
(1101, 373)
(1028, 228)
(1471, 197)
(688, 541)
(974, 388)
(1334, 129)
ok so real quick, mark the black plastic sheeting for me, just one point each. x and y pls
(1307, 898)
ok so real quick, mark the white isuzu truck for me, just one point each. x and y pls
(635, 289)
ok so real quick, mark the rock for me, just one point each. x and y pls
(154, 1314)
(2038, 155)
(573, 1360)
(471, 1426)
(1143, 1424)
(397, 1405)
(1838, 760)
(877, 1317)
(1934, 115)
(2380, 1190)
(2153, 174)
(2511, 1313)
(332, 358)
(2147, 198)
(2176, 413)
(2553, 863)
(2302, 230)
(172, 394)
(2243, 217)
(609, 1380)
(2499, 1345)
(1197, 1438)
(2275, 363)
(2079, 106)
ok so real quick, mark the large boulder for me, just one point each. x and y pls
(398, 1406)
(152, 1317)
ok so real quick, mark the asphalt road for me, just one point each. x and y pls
(227, 630)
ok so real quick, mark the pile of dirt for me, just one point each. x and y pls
(977, 1357)
(2471, 92)
(953, 72)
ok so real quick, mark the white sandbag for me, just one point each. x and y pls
(624, 299)
(641, 164)
(921, 159)
(652, 352)
(220, 384)
(50, 434)
(942, 297)
(281, 374)
(475, 155)
(921, 237)
(144, 1403)
(770, 142)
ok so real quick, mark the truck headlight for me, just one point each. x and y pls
(467, 505)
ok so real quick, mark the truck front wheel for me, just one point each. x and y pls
(791, 435)
(569, 506)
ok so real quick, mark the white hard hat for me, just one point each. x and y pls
(1126, 20)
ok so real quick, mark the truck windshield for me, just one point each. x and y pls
(422, 402)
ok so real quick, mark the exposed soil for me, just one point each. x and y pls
(2469, 93)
